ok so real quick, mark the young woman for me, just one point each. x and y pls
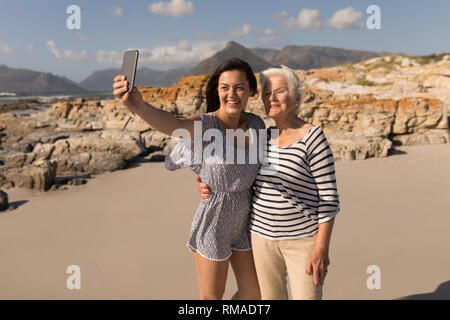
(220, 229)
(295, 198)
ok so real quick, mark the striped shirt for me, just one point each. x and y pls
(296, 189)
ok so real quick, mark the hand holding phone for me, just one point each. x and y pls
(124, 83)
(129, 65)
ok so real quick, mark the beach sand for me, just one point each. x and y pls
(127, 231)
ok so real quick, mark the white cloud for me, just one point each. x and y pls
(307, 19)
(109, 57)
(269, 40)
(174, 8)
(234, 33)
(117, 11)
(240, 32)
(81, 37)
(182, 54)
(202, 37)
(270, 37)
(29, 48)
(4, 48)
(61, 53)
(267, 32)
(279, 16)
(347, 18)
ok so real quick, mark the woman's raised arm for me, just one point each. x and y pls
(160, 120)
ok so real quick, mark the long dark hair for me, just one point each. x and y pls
(212, 95)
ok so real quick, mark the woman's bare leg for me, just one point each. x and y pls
(211, 276)
(245, 272)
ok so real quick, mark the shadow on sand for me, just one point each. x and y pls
(393, 152)
(15, 204)
(441, 293)
(154, 155)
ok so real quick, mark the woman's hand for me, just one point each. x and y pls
(318, 262)
(203, 189)
(131, 101)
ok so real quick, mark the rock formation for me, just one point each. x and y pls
(361, 115)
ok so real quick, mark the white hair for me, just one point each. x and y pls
(293, 81)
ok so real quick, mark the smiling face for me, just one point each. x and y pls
(277, 101)
(234, 91)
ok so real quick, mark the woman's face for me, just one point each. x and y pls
(234, 91)
(276, 99)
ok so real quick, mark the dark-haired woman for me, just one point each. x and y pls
(220, 229)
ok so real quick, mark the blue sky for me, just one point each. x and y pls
(177, 33)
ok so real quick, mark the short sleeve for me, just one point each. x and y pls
(187, 153)
(180, 156)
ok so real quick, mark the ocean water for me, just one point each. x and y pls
(29, 111)
(62, 96)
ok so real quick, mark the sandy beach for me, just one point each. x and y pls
(127, 230)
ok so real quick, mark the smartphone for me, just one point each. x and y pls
(130, 59)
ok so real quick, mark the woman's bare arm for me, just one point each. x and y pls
(196, 116)
(161, 120)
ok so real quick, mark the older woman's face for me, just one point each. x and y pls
(276, 99)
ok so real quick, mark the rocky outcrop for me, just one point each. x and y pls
(80, 138)
(359, 145)
(94, 153)
(77, 138)
(39, 175)
(360, 126)
(187, 98)
(393, 76)
(4, 204)
(356, 112)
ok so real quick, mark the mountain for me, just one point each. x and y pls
(296, 57)
(146, 76)
(103, 79)
(100, 80)
(266, 54)
(231, 50)
(27, 81)
(169, 78)
(311, 57)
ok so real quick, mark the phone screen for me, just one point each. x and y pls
(129, 65)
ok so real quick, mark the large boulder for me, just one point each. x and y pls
(39, 175)
(359, 145)
(3, 201)
(95, 153)
(433, 136)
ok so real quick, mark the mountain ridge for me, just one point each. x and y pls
(29, 81)
(231, 50)
(293, 56)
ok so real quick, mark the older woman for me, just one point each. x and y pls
(295, 196)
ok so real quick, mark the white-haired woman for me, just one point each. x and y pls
(295, 196)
